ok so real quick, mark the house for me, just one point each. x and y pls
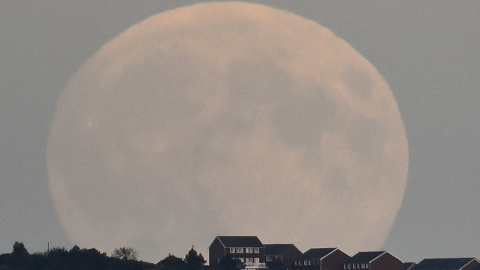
(476, 267)
(247, 249)
(373, 260)
(408, 265)
(447, 264)
(321, 259)
(284, 253)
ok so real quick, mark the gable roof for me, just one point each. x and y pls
(365, 257)
(444, 263)
(240, 241)
(408, 265)
(276, 249)
(315, 253)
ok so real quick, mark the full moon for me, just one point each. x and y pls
(227, 119)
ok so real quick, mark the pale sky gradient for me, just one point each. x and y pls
(427, 51)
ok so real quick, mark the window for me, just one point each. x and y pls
(363, 265)
(256, 260)
(249, 260)
(239, 250)
(242, 259)
(248, 250)
(232, 250)
(296, 262)
(354, 266)
(256, 250)
(349, 266)
(270, 258)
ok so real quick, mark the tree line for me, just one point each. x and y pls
(91, 259)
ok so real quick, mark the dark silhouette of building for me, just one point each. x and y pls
(373, 260)
(447, 264)
(247, 249)
(321, 259)
(408, 265)
(284, 253)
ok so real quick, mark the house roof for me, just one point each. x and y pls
(408, 265)
(444, 263)
(276, 249)
(365, 257)
(315, 253)
(240, 241)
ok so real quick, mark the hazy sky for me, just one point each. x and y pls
(427, 51)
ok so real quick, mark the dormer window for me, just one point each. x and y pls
(256, 250)
(239, 250)
(248, 250)
(232, 250)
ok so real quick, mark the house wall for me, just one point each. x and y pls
(470, 265)
(334, 261)
(290, 254)
(386, 262)
(314, 266)
(245, 255)
(216, 252)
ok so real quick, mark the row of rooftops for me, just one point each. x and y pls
(444, 264)
(358, 259)
(240, 241)
(369, 256)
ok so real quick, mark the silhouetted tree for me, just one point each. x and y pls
(93, 259)
(58, 258)
(19, 250)
(194, 261)
(62, 259)
(125, 253)
(171, 262)
(20, 258)
(228, 263)
(40, 261)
